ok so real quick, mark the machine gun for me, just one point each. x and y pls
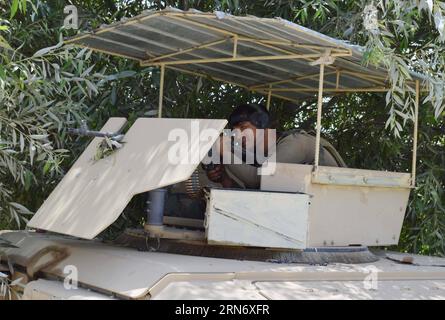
(84, 131)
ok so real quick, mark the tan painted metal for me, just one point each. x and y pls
(329, 90)
(415, 134)
(319, 110)
(161, 90)
(202, 46)
(351, 207)
(127, 273)
(269, 98)
(331, 284)
(54, 290)
(255, 218)
(243, 58)
(359, 177)
(93, 194)
(61, 205)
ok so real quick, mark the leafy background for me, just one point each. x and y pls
(46, 87)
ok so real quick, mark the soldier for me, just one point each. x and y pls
(294, 146)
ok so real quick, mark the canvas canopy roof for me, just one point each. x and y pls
(261, 54)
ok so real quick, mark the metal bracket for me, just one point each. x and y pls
(326, 59)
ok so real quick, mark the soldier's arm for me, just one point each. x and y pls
(291, 150)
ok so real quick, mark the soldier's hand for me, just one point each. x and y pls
(216, 174)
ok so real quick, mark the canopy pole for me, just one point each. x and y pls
(235, 46)
(161, 90)
(416, 124)
(269, 97)
(319, 109)
(337, 82)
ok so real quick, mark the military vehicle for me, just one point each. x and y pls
(307, 233)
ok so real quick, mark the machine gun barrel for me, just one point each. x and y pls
(91, 133)
(85, 132)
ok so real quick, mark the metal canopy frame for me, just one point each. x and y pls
(273, 57)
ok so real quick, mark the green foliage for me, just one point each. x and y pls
(42, 94)
(106, 148)
(424, 228)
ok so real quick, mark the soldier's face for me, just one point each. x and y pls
(246, 130)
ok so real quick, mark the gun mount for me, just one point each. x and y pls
(84, 131)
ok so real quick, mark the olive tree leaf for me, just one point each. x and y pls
(4, 43)
(46, 50)
(14, 8)
(21, 208)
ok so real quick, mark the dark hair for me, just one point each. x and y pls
(254, 113)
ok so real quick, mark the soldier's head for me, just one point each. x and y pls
(247, 118)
